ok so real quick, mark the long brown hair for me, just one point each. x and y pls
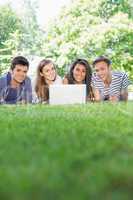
(88, 76)
(41, 87)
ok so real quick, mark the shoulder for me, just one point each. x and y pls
(119, 74)
(3, 80)
(58, 80)
(4, 76)
(119, 77)
(28, 80)
(27, 83)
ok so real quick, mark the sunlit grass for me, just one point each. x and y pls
(66, 152)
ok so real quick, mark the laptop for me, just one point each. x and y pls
(67, 94)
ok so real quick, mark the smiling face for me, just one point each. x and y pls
(48, 72)
(102, 70)
(79, 73)
(19, 73)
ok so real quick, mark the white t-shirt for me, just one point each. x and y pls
(57, 81)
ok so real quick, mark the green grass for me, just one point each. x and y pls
(66, 152)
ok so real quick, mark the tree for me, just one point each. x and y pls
(10, 31)
(9, 22)
(109, 8)
(31, 32)
(83, 31)
(19, 33)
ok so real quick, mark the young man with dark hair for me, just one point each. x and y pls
(15, 86)
(107, 84)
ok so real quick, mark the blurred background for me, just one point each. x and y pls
(64, 30)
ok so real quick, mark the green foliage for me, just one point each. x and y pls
(66, 152)
(11, 47)
(19, 33)
(9, 22)
(82, 30)
(31, 32)
(10, 32)
(109, 8)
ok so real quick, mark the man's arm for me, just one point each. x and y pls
(124, 94)
(96, 93)
(124, 89)
(28, 91)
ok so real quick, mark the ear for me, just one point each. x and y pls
(41, 74)
(110, 68)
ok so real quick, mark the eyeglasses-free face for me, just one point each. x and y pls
(79, 73)
(49, 72)
(102, 70)
(19, 73)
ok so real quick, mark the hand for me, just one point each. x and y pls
(113, 99)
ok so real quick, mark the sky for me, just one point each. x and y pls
(48, 9)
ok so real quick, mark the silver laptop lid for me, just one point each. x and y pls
(67, 94)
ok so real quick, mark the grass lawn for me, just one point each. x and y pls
(66, 152)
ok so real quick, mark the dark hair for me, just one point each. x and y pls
(41, 87)
(87, 80)
(100, 59)
(19, 60)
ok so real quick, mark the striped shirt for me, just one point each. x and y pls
(119, 82)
